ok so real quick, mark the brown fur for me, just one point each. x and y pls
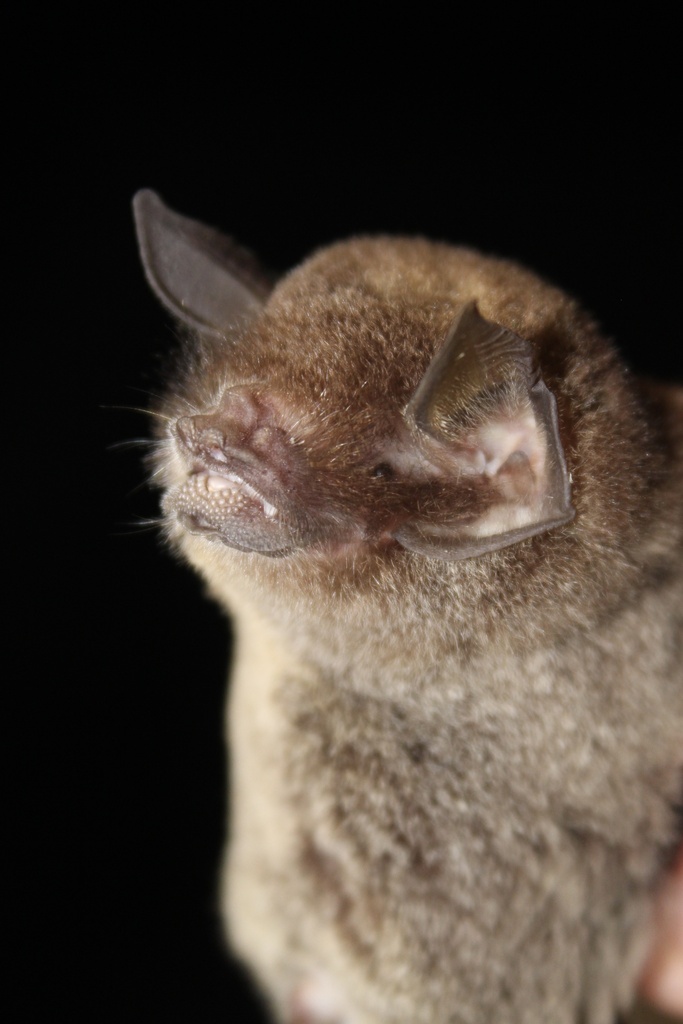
(453, 782)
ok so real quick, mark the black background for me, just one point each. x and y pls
(573, 171)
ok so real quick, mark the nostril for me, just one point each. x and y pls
(195, 434)
(210, 444)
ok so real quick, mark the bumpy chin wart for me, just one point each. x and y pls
(214, 501)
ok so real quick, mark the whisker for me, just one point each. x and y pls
(147, 393)
(133, 442)
(155, 473)
(134, 529)
(142, 486)
(137, 408)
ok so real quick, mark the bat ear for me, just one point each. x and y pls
(485, 418)
(197, 273)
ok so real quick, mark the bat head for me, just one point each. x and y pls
(365, 403)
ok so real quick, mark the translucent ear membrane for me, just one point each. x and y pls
(194, 270)
(485, 417)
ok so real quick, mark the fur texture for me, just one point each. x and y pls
(453, 782)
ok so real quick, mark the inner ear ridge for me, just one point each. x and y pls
(477, 355)
(495, 345)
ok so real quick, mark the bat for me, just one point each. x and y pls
(447, 522)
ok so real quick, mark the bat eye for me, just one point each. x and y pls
(383, 469)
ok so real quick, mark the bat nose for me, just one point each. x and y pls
(226, 428)
(199, 434)
(213, 437)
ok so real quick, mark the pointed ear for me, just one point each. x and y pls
(484, 417)
(198, 273)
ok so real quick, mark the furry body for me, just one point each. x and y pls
(453, 782)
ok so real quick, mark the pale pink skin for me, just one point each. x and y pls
(662, 981)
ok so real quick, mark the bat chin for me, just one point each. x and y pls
(237, 538)
(225, 508)
(239, 524)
